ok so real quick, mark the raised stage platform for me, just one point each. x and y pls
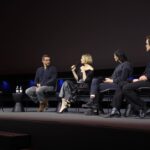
(72, 130)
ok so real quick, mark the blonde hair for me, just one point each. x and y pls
(88, 58)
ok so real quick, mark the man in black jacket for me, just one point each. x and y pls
(45, 80)
(129, 90)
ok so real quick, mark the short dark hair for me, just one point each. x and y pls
(148, 38)
(45, 55)
(121, 55)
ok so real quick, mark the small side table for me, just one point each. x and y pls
(18, 107)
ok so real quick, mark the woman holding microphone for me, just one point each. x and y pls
(83, 76)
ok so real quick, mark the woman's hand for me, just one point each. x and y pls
(82, 68)
(73, 68)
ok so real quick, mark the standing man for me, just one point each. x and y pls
(45, 80)
(129, 89)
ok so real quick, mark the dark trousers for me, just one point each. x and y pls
(130, 94)
(97, 86)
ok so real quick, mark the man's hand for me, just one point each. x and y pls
(108, 80)
(38, 85)
(142, 78)
(135, 80)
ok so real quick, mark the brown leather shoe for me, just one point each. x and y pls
(46, 104)
(41, 107)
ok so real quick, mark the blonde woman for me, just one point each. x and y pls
(83, 76)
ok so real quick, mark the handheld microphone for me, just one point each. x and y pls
(77, 66)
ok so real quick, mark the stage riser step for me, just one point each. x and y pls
(14, 141)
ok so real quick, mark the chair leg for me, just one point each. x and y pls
(109, 104)
(78, 107)
(58, 106)
(2, 108)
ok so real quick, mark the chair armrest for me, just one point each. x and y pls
(108, 90)
(144, 88)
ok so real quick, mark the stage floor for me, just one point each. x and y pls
(51, 129)
(75, 117)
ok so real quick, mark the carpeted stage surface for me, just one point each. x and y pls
(50, 130)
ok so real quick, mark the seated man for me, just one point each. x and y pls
(129, 90)
(45, 80)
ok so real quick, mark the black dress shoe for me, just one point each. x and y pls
(148, 112)
(88, 104)
(142, 113)
(101, 111)
(128, 111)
(114, 114)
(88, 112)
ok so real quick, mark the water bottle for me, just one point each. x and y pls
(20, 89)
(17, 89)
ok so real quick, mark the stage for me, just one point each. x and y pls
(76, 130)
